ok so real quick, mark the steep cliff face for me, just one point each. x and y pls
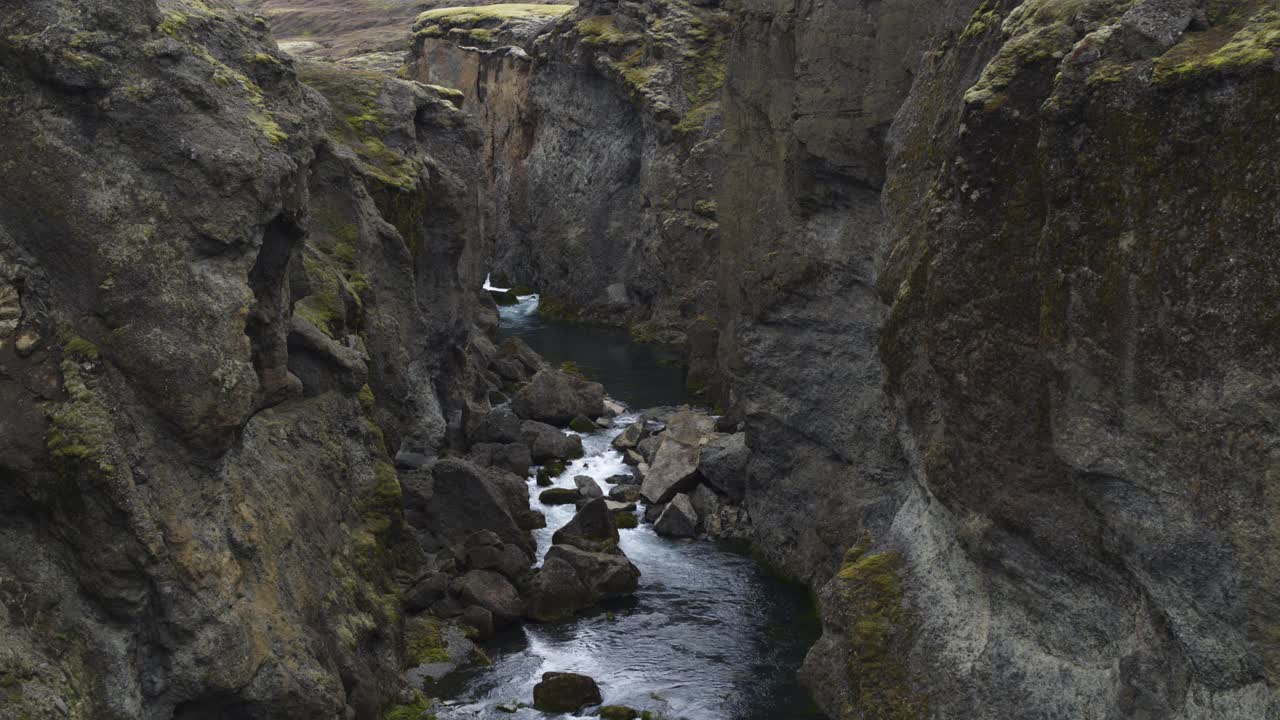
(602, 130)
(1066, 467)
(225, 305)
(811, 92)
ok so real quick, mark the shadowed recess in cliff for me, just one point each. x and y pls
(267, 324)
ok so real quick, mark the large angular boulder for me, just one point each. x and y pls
(588, 487)
(572, 579)
(512, 457)
(625, 493)
(723, 463)
(592, 528)
(648, 447)
(630, 437)
(493, 592)
(674, 470)
(499, 425)
(549, 443)
(565, 693)
(453, 499)
(557, 397)
(690, 427)
(517, 349)
(678, 520)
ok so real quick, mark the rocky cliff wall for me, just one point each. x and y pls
(1026, 261)
(601, 139)
(228, 305)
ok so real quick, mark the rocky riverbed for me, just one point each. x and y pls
(624, 594)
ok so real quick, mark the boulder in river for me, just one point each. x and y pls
(625, 493)
(618, 712)
(559, 496)
(630, 437)
(588, 487)
(592, 528)
(557, 397)
(583, 424)
(573, 579)
(549, 443)
(616, 507)
(492, 592)
(674, 471)
(723, 463)
(622, 479)
(678, 520)
(565, 692)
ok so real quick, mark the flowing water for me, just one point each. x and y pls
(707, 636)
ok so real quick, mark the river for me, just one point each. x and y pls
(708, 635)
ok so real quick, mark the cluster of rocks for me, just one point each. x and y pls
(583, 567)
(692, 472)
(471, 516)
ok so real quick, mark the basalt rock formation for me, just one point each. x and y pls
(996, 316)
(998, 300)
(229, 306)
(601, 126)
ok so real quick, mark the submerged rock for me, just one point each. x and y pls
(565, 692)
(557, 397)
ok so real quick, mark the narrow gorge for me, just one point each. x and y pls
(679, 359)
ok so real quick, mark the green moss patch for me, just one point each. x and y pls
(503, 11)
(424, 642)
(358, 120)
(479, 24)
(869, 593)
(602, 30)
(81, 432)
(418, 709)
(1234, 48)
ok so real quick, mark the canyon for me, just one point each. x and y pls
(978, 296)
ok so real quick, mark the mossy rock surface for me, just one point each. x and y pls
(565, 692)
(559, 496)
(626, 520)
(618, 712)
